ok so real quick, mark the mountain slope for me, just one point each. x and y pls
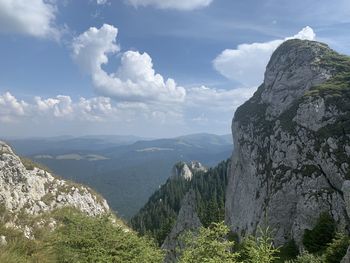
(292, 144)
(33, 191)
(48, 220)
(126, 174)
(159, 214)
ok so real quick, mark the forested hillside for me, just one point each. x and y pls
(158, 216)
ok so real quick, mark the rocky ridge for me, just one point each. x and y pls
(292, 144)
(34, 191)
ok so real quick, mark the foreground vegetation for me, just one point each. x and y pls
(78, 238)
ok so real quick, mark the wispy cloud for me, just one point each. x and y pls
(172, 4)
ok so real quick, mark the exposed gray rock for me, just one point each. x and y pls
(346, 258)
(36, 191)
(187, 220)
(346, 192)
(290, 72)
(285, 166)
(182, 169)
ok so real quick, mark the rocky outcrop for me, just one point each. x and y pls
(292, 144)
(35, 191)
(346, 258)
(346, 193)
(182, 169)
(187, 220)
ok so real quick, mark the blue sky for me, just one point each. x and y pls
(155, 68)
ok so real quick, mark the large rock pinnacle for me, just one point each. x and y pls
(292, 144)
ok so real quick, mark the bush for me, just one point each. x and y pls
(288, 251)
(261, 249)
(337, 249)
(306, 258)
(78, 238)
(210, 246)
(84, 239)
(317, 239)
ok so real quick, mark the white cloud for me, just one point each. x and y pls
(246, 64)
(204, 108)
(134, 80)
(11, 108)
(218, 99)
(35, 18)
(212, 109)
(172, 4)
(101, 2)
(60, 106)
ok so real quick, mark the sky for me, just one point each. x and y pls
(151, 68)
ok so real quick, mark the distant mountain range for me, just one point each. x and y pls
(126, 170)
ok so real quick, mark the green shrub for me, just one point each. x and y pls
(317, 239)
(83, 239)
(288, 251)
(306, 258)
(210, 246)
(260, 248)
(337, 249)
(78, 238)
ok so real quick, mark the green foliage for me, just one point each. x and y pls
(316, 240)
(159, 214)
(213, 246)
(260, 248)
(306, 258)
(288, 251)
(337, 249)
(210, 246)
(79, 239)
(22, 250)
(84, 239)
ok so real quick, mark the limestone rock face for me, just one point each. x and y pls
(186, 171)
(346, 192)
(36, 191)
(291, 144)
(292, 71)
(187, 220)
(346, 258)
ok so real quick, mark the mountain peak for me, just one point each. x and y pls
(293, 69)
(291, 142)
(186, 171)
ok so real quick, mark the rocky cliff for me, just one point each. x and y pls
(186, 170)
(187, 220)
(292, 144)
(33, 191)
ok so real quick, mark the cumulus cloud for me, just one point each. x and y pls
(134, 80)
(172, 4)
(63, 107)
(246, 64)
(35, 18)
(58, 107)
(11, 108)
